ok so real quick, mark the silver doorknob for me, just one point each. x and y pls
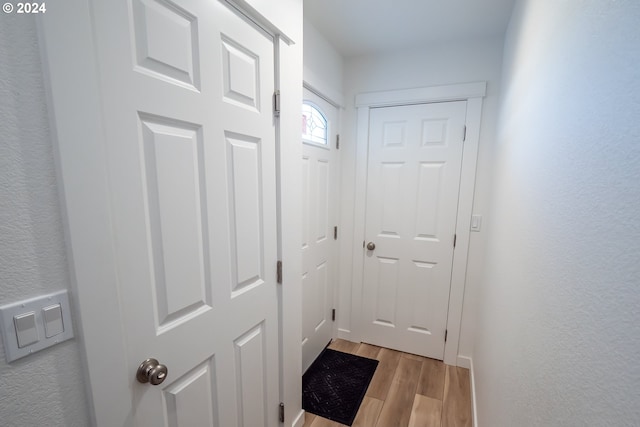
(371, 246)
(151, 371)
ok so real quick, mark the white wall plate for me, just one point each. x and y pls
(61, 328)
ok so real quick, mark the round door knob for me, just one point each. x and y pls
(151, 371)
(371, 246)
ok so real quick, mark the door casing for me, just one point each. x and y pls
(473, 93)
(68, 57)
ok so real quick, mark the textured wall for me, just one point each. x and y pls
(45, 389)
(323, 65)
(558, 334)
(440, 64)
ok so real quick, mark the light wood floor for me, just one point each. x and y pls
(407, 390)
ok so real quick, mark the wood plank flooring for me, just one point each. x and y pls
(407, 391)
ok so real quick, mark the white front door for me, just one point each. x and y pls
(187, 89)
(319, 216)
(415, 157)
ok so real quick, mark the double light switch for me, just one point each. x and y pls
(27, 330)
(35, 324)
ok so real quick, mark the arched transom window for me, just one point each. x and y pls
(314, 124)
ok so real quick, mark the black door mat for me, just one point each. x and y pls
(334, 385)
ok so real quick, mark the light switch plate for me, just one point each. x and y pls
(476, 222)
(9, 312)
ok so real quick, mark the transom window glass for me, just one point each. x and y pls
(314, 124)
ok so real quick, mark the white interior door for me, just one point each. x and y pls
(415, 157)
(319, 210)
(187, 88)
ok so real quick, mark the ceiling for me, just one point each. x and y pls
(357, 27)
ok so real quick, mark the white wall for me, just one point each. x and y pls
(558, 335)
(45, 388)
(323, 65)
(460, 62)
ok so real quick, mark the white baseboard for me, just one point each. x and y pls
(474, 405)
(463, 362)
(299, 421)
(467, 362)
(344, 334)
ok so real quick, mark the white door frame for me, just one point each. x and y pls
(473, 94)
(68, 56)
(321, 94)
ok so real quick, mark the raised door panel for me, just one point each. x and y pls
(428, 195)
(245, 211)
(422, 279)
(251, 378)
(306, 201)
(386, 292)
(393, 134)
(321, 309)
(175, 204)
(390, 198)
(322, 200)
(434, 132)
(308, 306)
(191, 400)
(240, 74)
(166, 42)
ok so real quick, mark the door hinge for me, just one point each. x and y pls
(363, 243)
(333, 314)
(446, 332)
(279, 271)
(337, 141)
(281, 412)
(455, 237)
(335, 233)
(464, 135)
(276, 103)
